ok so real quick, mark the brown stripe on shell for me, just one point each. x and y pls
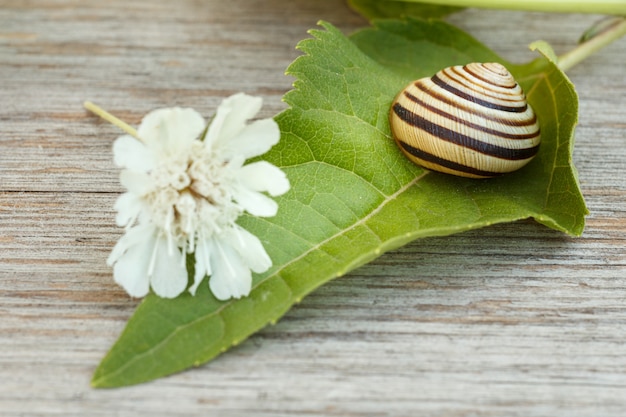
(457, 75)
(472, 110)
(446, 163)
(469, 69)
(467, 123)
(469, 82)
(476, 100)
(465, 141)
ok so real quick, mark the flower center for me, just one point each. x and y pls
(192, 194)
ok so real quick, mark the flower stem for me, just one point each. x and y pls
(99, 111)
(614, 30)
(613, 7)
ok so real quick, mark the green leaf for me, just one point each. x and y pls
(377, 9)
(354, 195)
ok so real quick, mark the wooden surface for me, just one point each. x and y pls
(512, 320)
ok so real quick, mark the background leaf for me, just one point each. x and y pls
(377, 9)
(612, 7)
(354, 195)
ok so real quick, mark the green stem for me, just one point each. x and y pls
(613, 7)
(613, 31)
(99, 111)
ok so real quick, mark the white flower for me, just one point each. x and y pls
(187, 185)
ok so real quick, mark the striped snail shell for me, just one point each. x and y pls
(472, 121)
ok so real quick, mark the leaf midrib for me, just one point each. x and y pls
(276, 274)
(537, 79)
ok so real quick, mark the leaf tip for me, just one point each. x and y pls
(96, 381)
(545, 49)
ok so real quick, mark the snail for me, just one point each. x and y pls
(471, 121)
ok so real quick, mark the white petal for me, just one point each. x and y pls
(132, 154)
(254, 202)
(171, 130)
(231, 277)
(249, 248)
(253, 140)
(134, 236)
(263, 176)
(128, 207)
(136, 182)
(202, 265)
(169, 277)
(231, 117)
(131, 268)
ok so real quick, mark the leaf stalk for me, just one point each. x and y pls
(613, 31)
(611, 7)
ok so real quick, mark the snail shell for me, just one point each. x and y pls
(472, 121)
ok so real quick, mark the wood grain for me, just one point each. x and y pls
(513, 320)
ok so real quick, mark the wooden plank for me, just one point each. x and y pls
(511, 320)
